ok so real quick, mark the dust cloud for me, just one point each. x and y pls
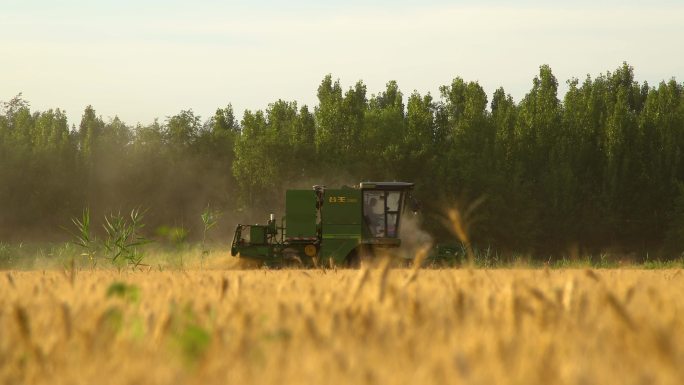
(414, 240)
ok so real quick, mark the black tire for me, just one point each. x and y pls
(291, 259)
(353, 259)
(359, 255)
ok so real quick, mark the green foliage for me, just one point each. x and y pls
(111, 322)
(675, 231)
(124, 239)
(596, 169)
(210, 218)
(193, 341)
(174, 234)
(129, 293)
(83, 237)
(187, 334)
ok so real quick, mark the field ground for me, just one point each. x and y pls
(367, 326)
(37, 256)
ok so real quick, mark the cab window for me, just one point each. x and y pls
(374, 212)
(381, 212)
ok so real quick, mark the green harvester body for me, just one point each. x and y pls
(338, 226)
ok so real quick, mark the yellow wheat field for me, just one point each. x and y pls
(368, 326)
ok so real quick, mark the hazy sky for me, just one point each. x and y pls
(146, 59)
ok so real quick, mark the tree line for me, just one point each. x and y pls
(601, 169)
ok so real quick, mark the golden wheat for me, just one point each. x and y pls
(368, 326)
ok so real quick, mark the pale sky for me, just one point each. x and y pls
(142, 60)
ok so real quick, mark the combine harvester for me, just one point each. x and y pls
(331, 226)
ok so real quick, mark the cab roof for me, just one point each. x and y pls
(386, 185)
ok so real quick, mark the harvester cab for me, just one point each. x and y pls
(328, 225)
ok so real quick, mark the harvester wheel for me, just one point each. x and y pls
(357, 256)
(353, 260)
(292, 259)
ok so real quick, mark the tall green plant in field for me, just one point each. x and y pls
(210, 218)
(124, 239)
(83, 237)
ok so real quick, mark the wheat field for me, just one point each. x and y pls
(368, 326)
